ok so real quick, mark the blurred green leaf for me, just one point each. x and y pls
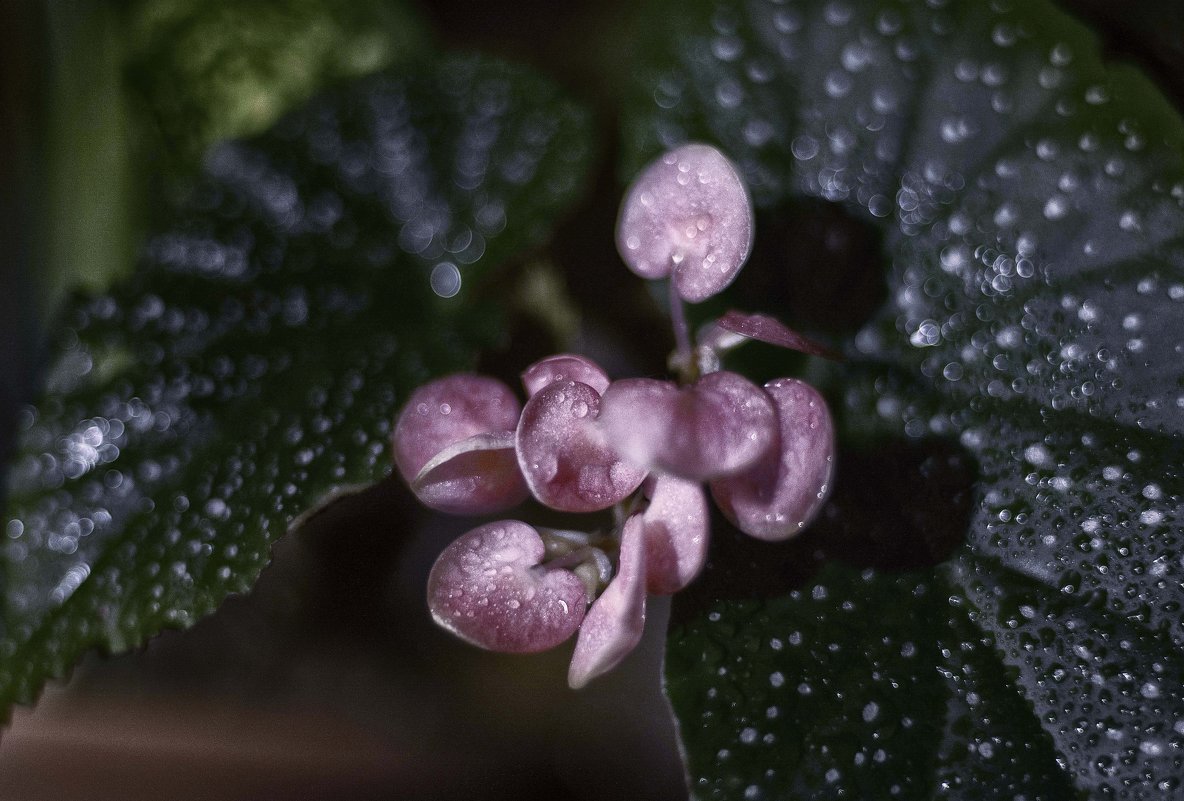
(92, 193)
(1027, 211)
(219, 69)
(254, 360)
(139, 89)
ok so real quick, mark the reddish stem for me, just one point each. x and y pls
(678, 321)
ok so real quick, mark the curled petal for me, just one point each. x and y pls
(564, 367)
(446, 411)
(766, 329)
(781, 495)
(563, 454)
(615, 621)
(453, 445)
(676, 529)
(687, 213)
(488, 589)
(719, 426)
(478, 475)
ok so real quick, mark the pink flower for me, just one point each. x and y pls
(641, 446)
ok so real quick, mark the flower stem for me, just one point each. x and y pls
(590, 563)
(682, 331)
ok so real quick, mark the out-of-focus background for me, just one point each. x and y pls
(329, 680)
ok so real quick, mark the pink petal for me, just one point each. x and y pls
(724, 425)
(676, 529)
(636, 415)
(615, 621)
(486, 589)
(688, 213)
(563, 454)
(564, 367)
(769, 329)
(446, 411)
(719, 426)
(782, 494)
(478, 475)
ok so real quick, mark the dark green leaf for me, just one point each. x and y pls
(854, 684)
(1027, 205)
(253, 362)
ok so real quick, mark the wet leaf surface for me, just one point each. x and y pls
(255, 359)
(857, 684)
(1028, 209)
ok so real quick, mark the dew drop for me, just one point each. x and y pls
(1055, 208)
(804, 148)
(445, 279)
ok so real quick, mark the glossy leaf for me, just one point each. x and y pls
(855, 682)
(1028, 203)
(255, 360)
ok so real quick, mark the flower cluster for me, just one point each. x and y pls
(645, 448)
